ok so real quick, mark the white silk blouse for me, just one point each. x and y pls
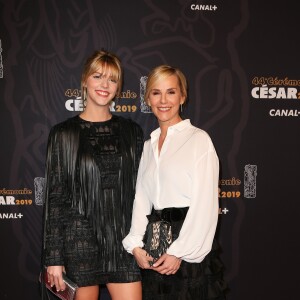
(185, 173)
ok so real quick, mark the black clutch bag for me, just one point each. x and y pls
(157, 238)
(162, 229)
(67, 294)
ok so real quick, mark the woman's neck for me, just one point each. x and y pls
(101, 115)
(164, 126)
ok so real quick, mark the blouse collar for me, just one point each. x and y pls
(177, 127)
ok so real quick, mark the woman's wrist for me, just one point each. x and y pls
(135, 249)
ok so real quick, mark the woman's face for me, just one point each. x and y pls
(101, 88)
(165, 98)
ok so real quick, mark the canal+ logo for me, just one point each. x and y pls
(203, 7)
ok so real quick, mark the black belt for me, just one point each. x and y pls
(169, 214)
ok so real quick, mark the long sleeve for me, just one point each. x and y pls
(198, 230)
(55, 197)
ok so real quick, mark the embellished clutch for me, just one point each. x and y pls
(67, 294)
(159, 233)
(157, 239)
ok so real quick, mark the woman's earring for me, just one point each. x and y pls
(181, 107)
(84, 98)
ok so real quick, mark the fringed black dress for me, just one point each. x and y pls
(90, 186)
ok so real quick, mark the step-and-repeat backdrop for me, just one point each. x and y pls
(241, 59)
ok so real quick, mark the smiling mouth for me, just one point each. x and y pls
(164, 108)
(102, 93)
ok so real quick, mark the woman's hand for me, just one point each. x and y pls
(142, 258)
(167, 264)
(55, 277)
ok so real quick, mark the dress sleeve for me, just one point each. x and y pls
(141, 208)
(55, 197)
(198, 230)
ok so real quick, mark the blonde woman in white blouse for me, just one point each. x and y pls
(179, 169)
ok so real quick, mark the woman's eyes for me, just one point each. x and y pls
(171, 92)
(99, 76)
(155, 93)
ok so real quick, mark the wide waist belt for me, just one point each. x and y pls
(169, 214)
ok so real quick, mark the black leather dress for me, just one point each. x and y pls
(91, 171)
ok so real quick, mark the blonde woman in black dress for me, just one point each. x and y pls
(92, 163)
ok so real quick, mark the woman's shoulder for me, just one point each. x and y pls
(128, 121)
(147, 143)
(66, 125)
(129, 124)
(201, 137)
(200, 133)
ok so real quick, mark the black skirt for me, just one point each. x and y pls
(201, 281)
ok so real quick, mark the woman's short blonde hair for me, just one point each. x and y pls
(160, 73)
(105, 60)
